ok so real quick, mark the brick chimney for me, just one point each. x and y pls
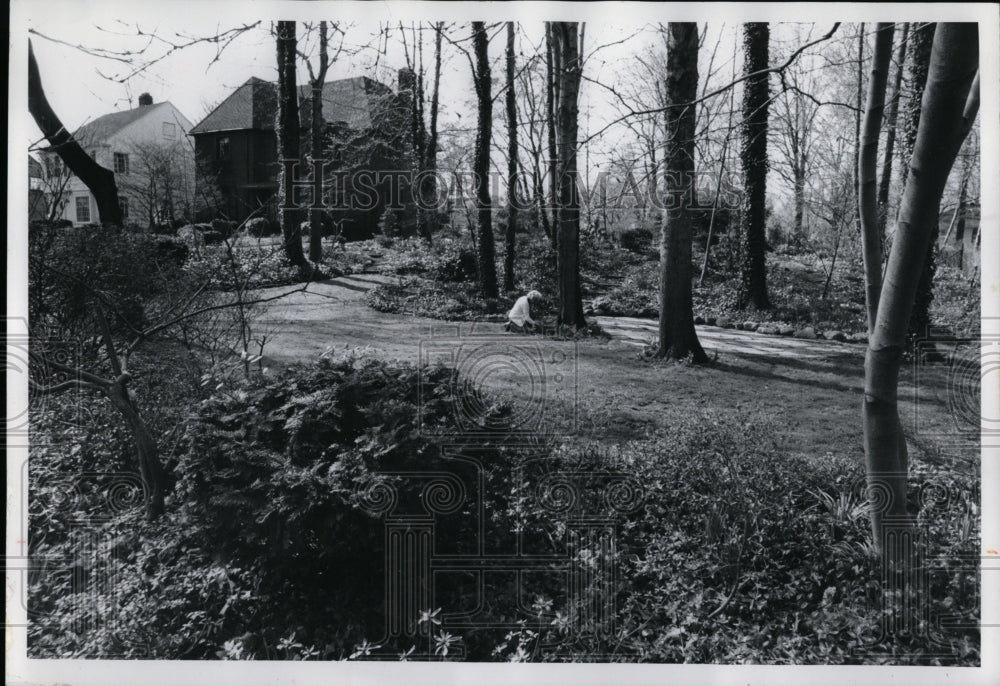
(145, 100)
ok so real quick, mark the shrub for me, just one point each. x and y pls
(638, 240)
(275, 532)
(213, 237)
(259, 227)
(171, 251)
(456, 265)
(224, 227)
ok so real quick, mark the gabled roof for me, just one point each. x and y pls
(254, 104)
(104, 127)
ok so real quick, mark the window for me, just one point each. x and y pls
(83, 208)
(222, 148)
(123, 204)
(121, 163)
(169, 130)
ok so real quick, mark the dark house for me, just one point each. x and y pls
(366, 130)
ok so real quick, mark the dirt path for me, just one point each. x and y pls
(599, 390)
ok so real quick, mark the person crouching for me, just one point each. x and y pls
(519, 318)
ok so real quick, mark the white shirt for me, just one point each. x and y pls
(521, 312)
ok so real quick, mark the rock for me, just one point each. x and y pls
(786, 330)
(750, 325)
(857, 337)
(835, 336)
(698, 319)
(769, 329)
(808, 333)
(724, 323)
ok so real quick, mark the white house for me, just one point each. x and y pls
(149, 151)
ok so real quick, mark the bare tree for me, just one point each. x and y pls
(948, 109)
(566, 41)
(99, 180)
(891, 119)
(481, 164)
(678, 339)
(867, 167)
(287, 130)
(753, 153)
(159, 184)
(317, 78)
(920, 58)
(512, 205)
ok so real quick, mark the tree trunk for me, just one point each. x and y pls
(960, 226)
(481, 164)
(867, 167)
(857, 129)
(920, 57)
(550, 102)
(944, 120)
(287, 130)
(98, 180)
(567, 51)
(678, 339)
(512, 205)
(430, 187)
(318, 128)
(753, 275)
(150, 469)
(891, 117)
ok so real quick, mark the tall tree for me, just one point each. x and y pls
(753, 155)
(512, 205)
(568, 59)
(867, 167)
(949, 106)
(678, 339)
(98, 180)
(481, 163)
(920, 57)
(962, 210)
(551, 87)
(287, 129)
(428, 187)
(317, 78)
(891, 119)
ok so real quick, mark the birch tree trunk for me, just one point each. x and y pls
(867, 167)
(678, 339)
(949, 105)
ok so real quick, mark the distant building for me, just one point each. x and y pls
(148, 151)
(236, 148)
(38, 205)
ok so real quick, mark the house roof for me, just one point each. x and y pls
(253, 105)
(104, 127)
